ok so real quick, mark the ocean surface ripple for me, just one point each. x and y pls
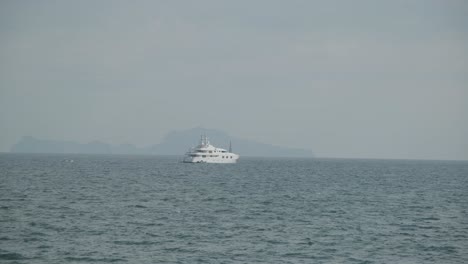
(150, 209)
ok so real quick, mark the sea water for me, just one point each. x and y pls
(151, 209)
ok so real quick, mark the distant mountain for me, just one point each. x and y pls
(174, 143)
(177, 142)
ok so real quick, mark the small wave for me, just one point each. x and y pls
(95, 232)
(48, 227)
(88, 259)
(136, 243)
(141, 223)
(12, 256)
(428, 227)
(355, 260)
(34, 234)
(408, 227)
(32, 239)
(44, 246)
(296, 255)
(330, 250)
(178, 250)
(443, 249)
(406, 234)
(428, 219)
(276, 242)
(220, 211)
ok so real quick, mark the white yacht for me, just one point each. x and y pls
(207, 153)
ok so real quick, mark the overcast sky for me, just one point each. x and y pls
(360, 79)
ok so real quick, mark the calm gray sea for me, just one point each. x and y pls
(149, 209)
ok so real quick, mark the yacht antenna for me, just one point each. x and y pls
(230, 147)
(204, 140)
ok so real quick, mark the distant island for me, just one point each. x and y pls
(174, 143)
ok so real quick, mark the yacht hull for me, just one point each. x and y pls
(209, 160)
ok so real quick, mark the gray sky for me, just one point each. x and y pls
(376, 79)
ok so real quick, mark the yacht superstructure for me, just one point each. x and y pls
(207, 153)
